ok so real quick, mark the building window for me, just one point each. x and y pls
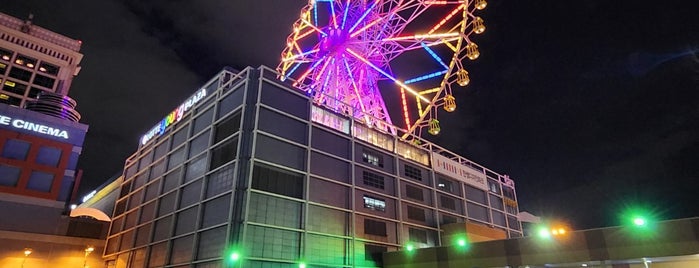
(448, 219)
(17, 88)
(412, 172)
(20, 74)
(5, 55)
(374, 253)
(40, 181)
(372, 158)
(277, 181)
(10, 175)
(447, 185)
(16, 149)
(373, 180)
(475, 194)
(510, 208)
(374, 203)
(224, 153)
(49, 156)
(447, 202)
(44, 81)
(372, 227)
(513, 223)
(25, 61)
(180, 136)
(34, 92)
(494, 186)
(48, 68)
(161, 149)
(508, 192)
(10, 100)
(227, 127)
(413, 192)
(415, 213)
(417, 235)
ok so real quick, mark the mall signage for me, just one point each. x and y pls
(173, 117)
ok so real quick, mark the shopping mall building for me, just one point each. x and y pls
(248, 172)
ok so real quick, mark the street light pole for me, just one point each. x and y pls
(27, 251)
(88, 250)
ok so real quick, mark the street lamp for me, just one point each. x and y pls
(27, 251)
(88, 250)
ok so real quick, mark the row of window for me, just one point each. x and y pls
(28, 62)
(38, 180)
(19, 150)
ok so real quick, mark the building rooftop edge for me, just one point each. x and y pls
(39, 32)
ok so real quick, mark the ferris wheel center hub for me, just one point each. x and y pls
(335, 40)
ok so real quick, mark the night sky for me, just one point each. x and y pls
(590, 106)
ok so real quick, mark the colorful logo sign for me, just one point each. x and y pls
(173, 117)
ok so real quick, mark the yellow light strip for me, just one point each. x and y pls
(433, 90)
(445, 19)
(452, 47)
(422, 36)
(313, 26)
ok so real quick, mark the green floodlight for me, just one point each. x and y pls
(409, 247)
(302, 265)
(461, 242)
(543, 232)
(639, 221)
(235, 256)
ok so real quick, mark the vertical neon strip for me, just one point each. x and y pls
(406, 116)
(315, 12)
(320, 97)
(344, 16)
(332, 13)
(363, 16)
(419, 106)
(434, 55)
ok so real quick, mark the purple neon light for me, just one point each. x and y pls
(352, 50)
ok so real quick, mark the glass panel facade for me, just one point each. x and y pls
(258, 165)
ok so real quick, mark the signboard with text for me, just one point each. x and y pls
(37, 124)
(458, 171)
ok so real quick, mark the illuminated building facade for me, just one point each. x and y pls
(248, 173)
(40, 143)
(34, 60)
(40, 136)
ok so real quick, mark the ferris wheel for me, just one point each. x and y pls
(341, 52)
